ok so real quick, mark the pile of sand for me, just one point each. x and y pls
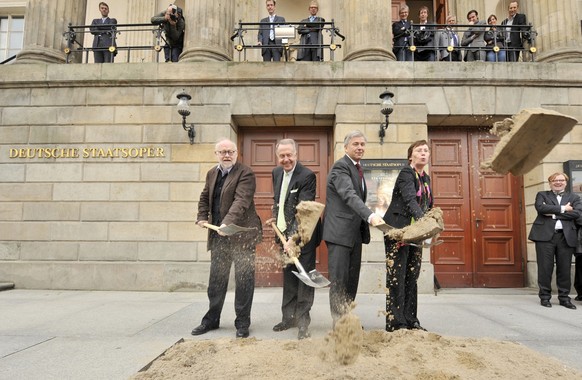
(426, 227)
(403, 354)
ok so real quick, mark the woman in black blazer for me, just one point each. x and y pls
(411, 199)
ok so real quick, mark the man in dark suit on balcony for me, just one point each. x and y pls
(516, 32)
(104, 35)
(555, 236)
(266, 35)
(293, 183)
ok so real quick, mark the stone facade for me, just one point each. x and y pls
(111, 204)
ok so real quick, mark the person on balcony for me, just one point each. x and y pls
(266, 35)
(473, 38)
(173, 23)
(311, 35)
(401, 36)
(495, 37)
(516, 32)
(104, 35)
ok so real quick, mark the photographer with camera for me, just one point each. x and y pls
(173, 23)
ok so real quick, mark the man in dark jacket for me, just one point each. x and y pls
(104, 34)
(173, 23)
(311, 35)
(555, 236)
(293, 183)
(515, 31)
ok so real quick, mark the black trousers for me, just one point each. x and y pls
(244, 274)
(547, 252)
(344, 274)
(578, 275)
(274, 53)
(402, 272)
(298, 297)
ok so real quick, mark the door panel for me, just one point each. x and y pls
(258, 146)
(482, 238)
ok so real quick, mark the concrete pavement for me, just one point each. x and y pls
(112, 335)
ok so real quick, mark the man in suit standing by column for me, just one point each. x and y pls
(293, 183)
(104, 35)
(515, 25)
(555, 236)
(228, 198)
(401, 36)
(311, 35)
(346, 224)
(267, 36)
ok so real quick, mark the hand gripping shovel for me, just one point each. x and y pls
(313, 278)
(230, 229)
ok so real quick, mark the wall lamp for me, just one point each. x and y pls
(387, 106)
(184, 110)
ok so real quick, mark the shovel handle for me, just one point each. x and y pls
(279, 234)
(211, 226)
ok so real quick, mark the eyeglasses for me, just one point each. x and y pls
(559, 180)
(225, 152)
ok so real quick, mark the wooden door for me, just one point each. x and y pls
(483, 212)
(258, 152)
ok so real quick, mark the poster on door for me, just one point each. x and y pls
(380, 176)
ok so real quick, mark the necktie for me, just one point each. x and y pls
(281, 224)
(272, 32)
(455, 40)
(311, 18)
(360, 172)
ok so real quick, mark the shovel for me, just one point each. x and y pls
(313, 278)
(230, 229)
(384, 228)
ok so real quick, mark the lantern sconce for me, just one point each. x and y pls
(184, 111)
(387, 106)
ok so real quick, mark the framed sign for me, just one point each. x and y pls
(574, 170)
(380, 177)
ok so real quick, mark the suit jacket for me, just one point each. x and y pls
(547, 206)
(310, 35)
(404, 205)
(400, 36)
(265, 30)
(474, 37)
(443, 38)
(518, 32)
(101, 31)
(346, 214)
(302, 187)
(237, 205)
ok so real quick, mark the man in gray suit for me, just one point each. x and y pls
(473, 38)
(266, 35)
(345, 224)
(311, 35)
(554, 233)
(104, 34)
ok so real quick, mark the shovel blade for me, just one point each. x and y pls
(232, 229)
(313, 279)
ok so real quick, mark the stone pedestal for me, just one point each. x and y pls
(45, 22)
(208, 28)
(367, 30)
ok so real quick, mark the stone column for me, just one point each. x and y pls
(558, 26)
(44, 24)
(140, 12)
(209, 25)
(368, 30)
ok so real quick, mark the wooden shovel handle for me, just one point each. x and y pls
(211, 226)
(279, 234)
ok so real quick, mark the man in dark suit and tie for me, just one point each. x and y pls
(345, 224)
(515, 32)
(228, 198)
(401, 36)
(311, 35)
(266, 35)
(555, 236)
(293, 183)
(104, 35)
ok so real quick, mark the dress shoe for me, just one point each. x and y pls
(546, 303)
(568, 305)
(578, 298)
(303, 333)
(242, 332)
(203, 329)
(416, 326)
(282, 326)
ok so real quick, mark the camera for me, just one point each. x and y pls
(173, 17)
